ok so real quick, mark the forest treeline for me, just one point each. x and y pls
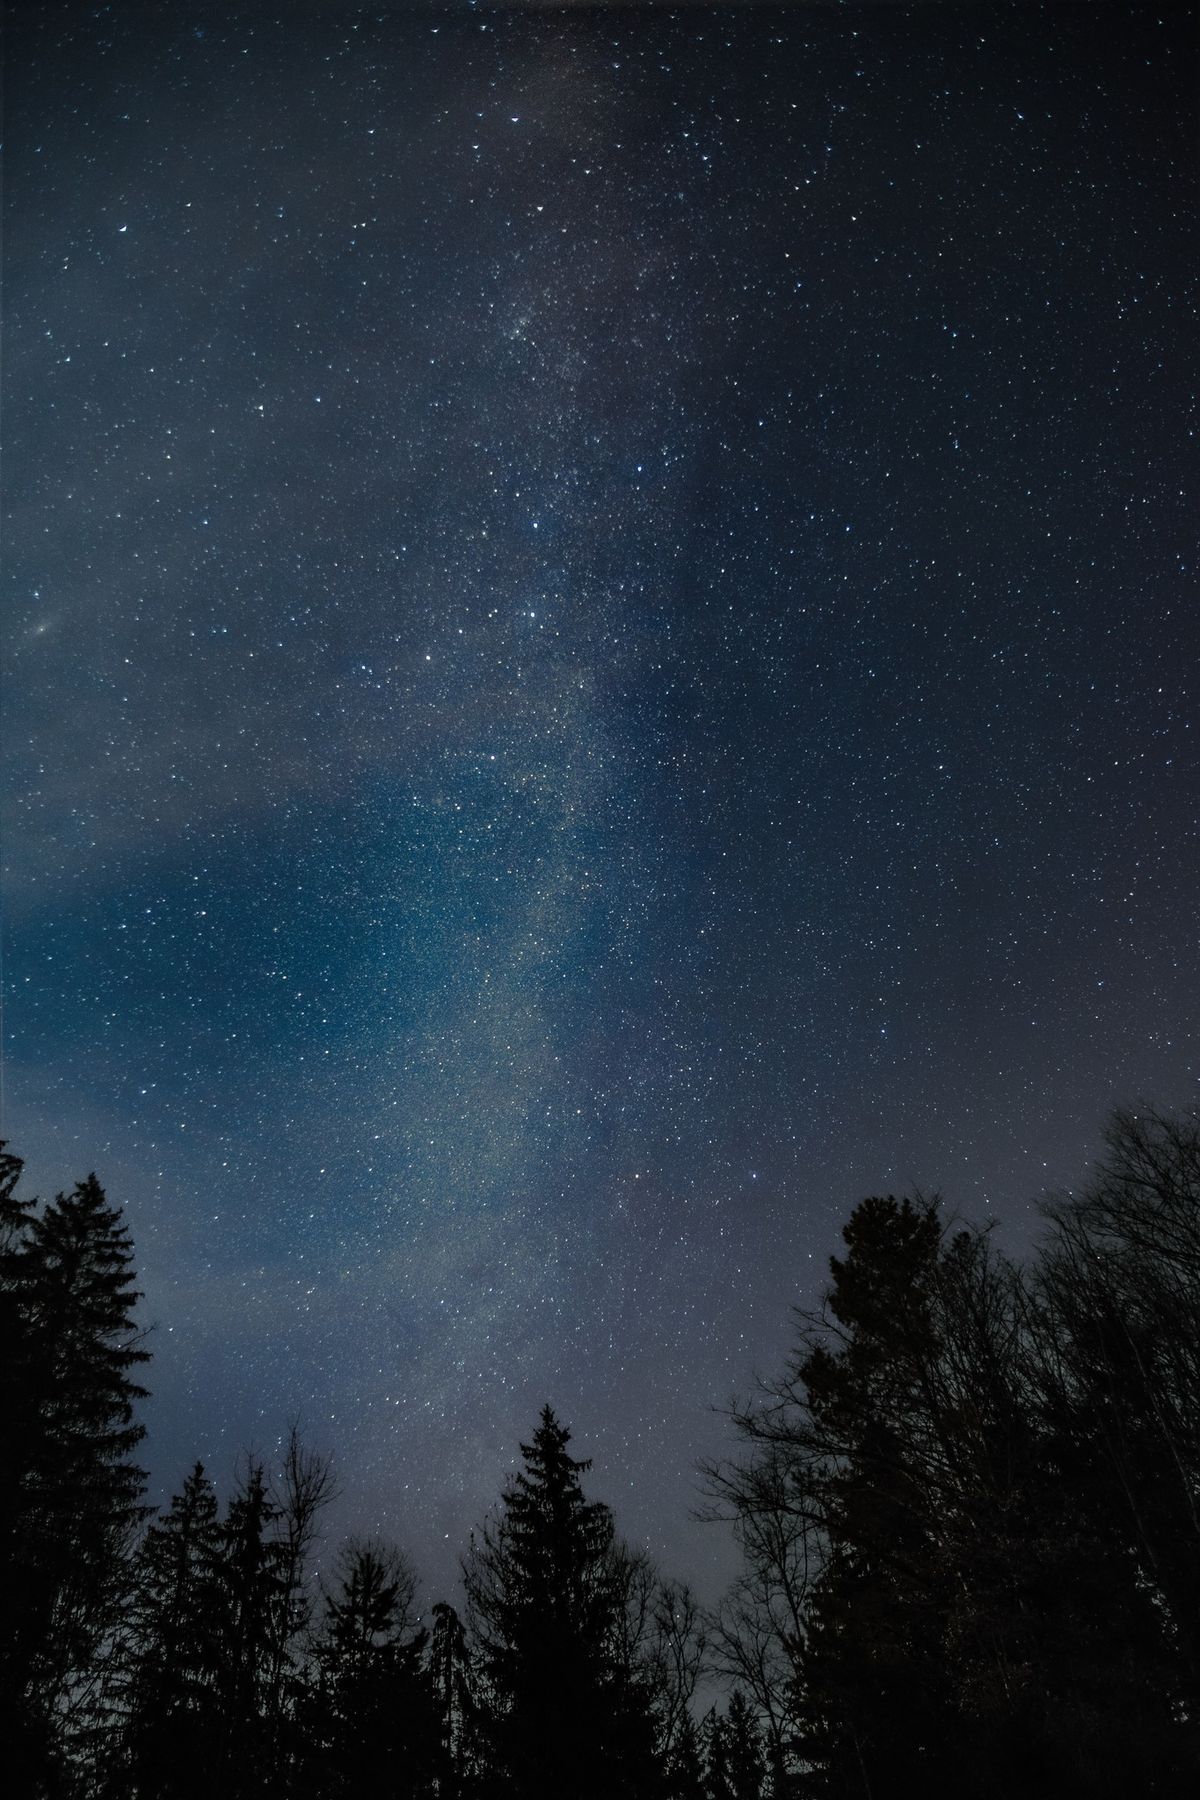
(968, 1510)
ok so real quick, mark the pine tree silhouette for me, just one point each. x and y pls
(73, 1493)
(454, 1703)
(174, 1656)
(743, 1749)
(372, 1724)
(254, 1595)
(684, 1776)
(560, 1717)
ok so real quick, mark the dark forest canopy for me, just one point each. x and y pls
(969, 1511)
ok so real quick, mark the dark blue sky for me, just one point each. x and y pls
(601, 661)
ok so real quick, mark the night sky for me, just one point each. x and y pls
(602, 647)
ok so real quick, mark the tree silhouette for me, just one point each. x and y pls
(684, 1773)
(560, 1713)
(1119, 1284)
(969, 1511)
(933, 1583)
(174, 1648)
(372, 1723)
(454, 1703)
(255, 1594)
(73, 1492)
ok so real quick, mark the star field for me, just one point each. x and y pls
(601, 661)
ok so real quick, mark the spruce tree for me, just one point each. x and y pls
(14, 1242)
(23, 1724)
(684, 1774)
(371, 1725)
(254, 1596)
(303, 1488)
(175, 1651)
(454, 1702)
(714, 1740)
(560, 1716)
(73, 1498)
(743, 1749)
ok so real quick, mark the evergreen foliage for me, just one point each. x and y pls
(72, 1493)
(172, 1666)
(684, 1772)
(371, 1724)
(968, 1510)
(561, 1714)
(454, 1704)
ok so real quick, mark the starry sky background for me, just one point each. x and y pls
(601, 660)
